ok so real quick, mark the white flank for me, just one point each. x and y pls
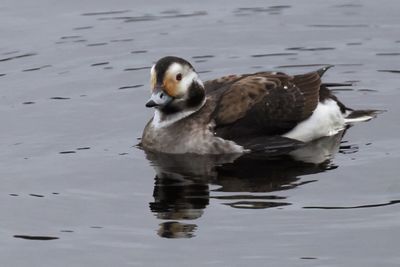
(327, 120)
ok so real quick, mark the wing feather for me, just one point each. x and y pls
(309, 84)
(264, 103)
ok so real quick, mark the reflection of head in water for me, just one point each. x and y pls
(176, 230)
(181, 190)
(179, 199)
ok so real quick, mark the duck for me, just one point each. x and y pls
(239, 113)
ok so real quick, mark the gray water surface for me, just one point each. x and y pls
(76, 191)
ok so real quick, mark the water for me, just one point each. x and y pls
(76, 191)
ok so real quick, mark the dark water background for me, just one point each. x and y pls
(75, 191)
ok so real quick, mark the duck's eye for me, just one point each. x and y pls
(179, 76)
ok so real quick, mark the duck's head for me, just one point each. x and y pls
(175, 86)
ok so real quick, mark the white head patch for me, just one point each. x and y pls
(153, 77)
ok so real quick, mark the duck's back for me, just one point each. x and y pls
(251, 109)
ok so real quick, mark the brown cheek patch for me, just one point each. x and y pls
(170, 86)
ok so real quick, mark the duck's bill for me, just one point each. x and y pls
(158, 99)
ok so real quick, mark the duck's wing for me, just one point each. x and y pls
(222, 83)
(266, 103)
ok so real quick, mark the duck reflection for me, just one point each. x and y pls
(182, 182)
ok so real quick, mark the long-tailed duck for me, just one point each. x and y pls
(239, 113)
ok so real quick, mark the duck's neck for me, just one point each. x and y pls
(162, 119)
(181, 108)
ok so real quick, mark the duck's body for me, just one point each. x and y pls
(237, 113)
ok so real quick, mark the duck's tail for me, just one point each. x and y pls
(350, 115)
(354, 116)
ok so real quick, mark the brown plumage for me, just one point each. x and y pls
(237, 113)
(263, 103)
